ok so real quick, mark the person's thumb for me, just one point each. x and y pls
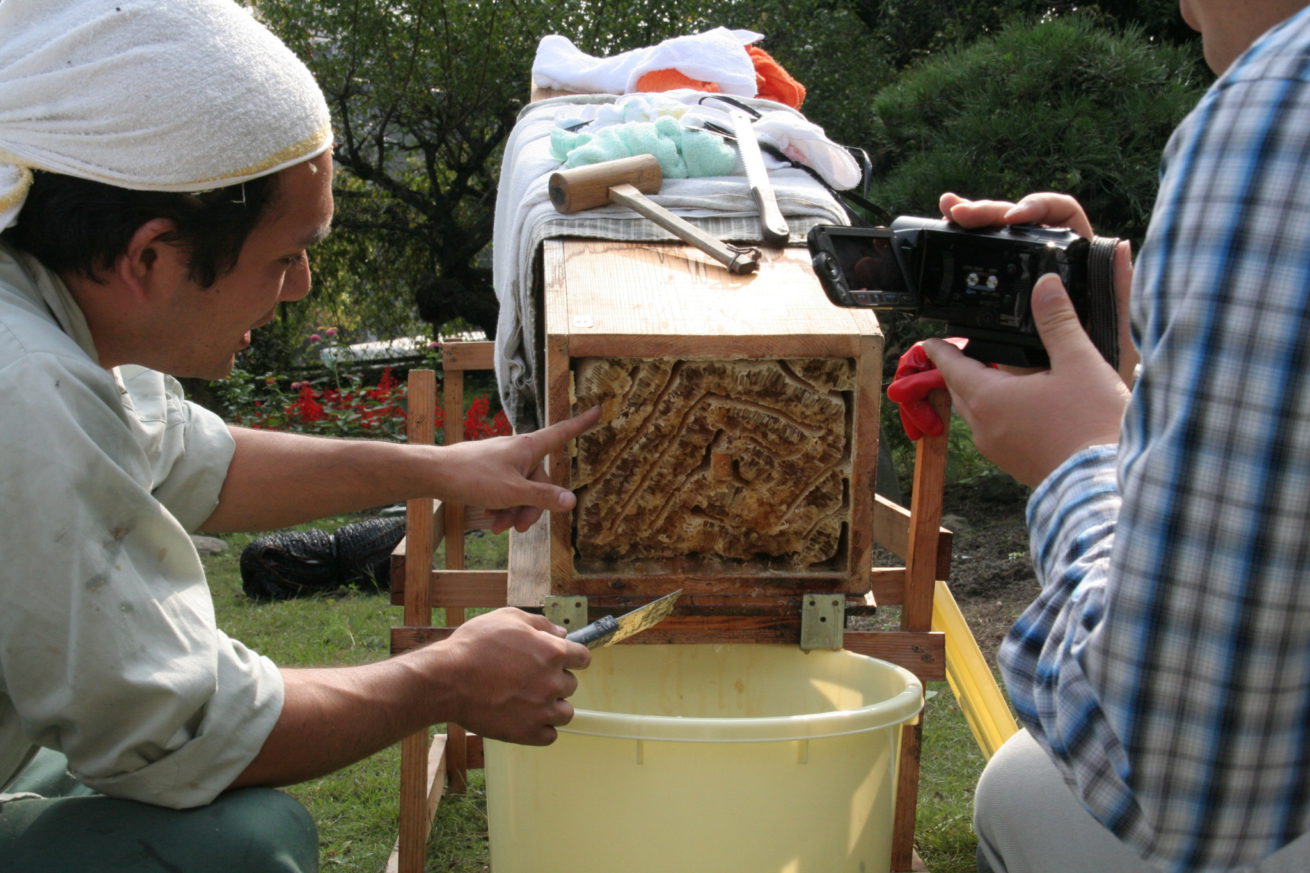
(550, 497)
(1057, 322)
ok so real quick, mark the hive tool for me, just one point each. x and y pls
(609, 630)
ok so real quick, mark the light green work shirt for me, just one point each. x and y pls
(109, 651)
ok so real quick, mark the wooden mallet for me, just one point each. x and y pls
(627, 181)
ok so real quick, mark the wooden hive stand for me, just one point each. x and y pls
(429, 764)
(696, 370)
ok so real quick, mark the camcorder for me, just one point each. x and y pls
(979, 282)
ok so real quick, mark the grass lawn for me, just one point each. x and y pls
(356, 808)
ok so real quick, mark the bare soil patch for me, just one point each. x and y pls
(992, 574)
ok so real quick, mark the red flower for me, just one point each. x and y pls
(306, 408)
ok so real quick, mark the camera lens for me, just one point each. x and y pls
(1102, 316)
(824, 264)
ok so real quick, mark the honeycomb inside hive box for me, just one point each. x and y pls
(719, 466)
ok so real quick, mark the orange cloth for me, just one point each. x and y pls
(672, 80)
(772, 82)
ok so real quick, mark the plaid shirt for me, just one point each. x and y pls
(1166, 664)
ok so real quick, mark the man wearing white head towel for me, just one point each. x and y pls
(164, 170)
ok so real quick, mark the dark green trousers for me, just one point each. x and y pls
(72, 829)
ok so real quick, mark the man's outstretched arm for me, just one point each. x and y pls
(279, 479)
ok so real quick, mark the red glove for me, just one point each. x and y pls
(915, 379)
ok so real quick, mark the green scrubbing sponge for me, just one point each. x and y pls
(681, 151)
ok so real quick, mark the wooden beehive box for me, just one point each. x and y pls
(737, 449)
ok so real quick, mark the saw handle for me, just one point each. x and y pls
(773, 226)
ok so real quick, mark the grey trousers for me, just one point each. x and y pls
(1028, 821)
(72, 829)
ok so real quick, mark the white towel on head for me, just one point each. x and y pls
(156, 95)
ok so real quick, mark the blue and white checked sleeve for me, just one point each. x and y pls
(1166, 665)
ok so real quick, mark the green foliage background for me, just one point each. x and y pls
(986, 97)
(1064, 104)
(1075, 103)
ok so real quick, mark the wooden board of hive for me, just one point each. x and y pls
(737, 448)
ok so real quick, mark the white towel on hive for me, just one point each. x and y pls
(717, 56)
(159, 95)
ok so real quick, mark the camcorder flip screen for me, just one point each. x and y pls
(863, 268)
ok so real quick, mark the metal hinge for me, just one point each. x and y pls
(823, 621)
(568, 612)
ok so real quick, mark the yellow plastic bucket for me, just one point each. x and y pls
(717, 759)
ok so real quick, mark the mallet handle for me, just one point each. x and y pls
(735, 259)
(626, 181)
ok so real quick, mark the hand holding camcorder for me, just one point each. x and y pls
(979, 282)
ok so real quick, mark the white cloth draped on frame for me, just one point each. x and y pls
(155, 95)
(717, 55)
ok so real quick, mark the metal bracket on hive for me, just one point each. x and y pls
(823, 621)
(567, 611)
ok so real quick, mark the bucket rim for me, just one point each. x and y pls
(900, 708)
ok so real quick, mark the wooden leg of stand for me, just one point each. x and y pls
(412, 848)
(456, 737)
(457, 758)
(916, 614)
(434, 781)
(907, 799)
(925, 524)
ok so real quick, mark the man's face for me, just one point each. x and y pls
(1228, 27)
(209, 326)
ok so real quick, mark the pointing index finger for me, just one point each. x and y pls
(561, 432)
